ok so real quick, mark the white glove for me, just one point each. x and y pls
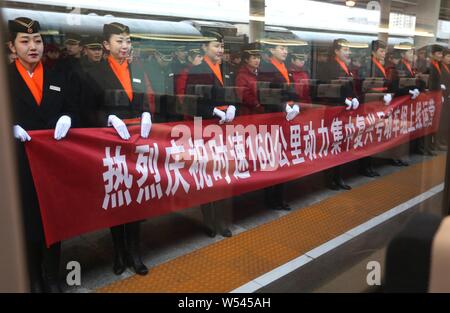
(62, 127)
(349, 104)
(355, 103)
(443, 87)
(21, 134)
(414, 93)
(119, 126)
(146, 124)
(292, 112)
(387, 98)
(221, 114)
(230, 114)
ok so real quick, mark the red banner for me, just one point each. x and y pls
(93, 179)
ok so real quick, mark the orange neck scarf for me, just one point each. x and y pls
(35, 82)
(446, 68)
(122, 73)
(380, 66)
(343, 66)
(281, 68)
(215, 68)
(408, 66)
(436, 65)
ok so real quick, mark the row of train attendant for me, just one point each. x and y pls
(117, 91)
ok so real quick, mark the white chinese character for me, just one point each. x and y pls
(404, 120)
(174, 152)
(427, 121)
(338, 136)
(388, 127)
(116, 176)
(241, 169)
(431, 110)
(418, 122)
(411, 120)
(349, 132)
(148, 160)
(220, 159)
(325, 139)
(296, 145)
(370, 129)
(361, 125)
(380, 125)
(396, 127)
(310, 141)
(282, 156)
(197, 150)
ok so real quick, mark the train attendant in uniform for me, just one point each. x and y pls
(210, 73)
(194, 58)
(180, 61)
(117, 97)
(379, 71)
(435, 83)
(276, 73)
(445, 112)
(93, 52)
(300, 76)
(337, 68)
(247, 79)
(404, 82)
(41, 100)
(51, 55)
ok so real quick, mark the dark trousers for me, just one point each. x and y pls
(274, 195)
(43, 265)
(217, 215)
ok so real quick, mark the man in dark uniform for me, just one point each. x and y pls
(180, 61)
(337, 69)
(93, 56)
(195, 57)
(72, 54)
(231, 67)
(117, 98)
(70, 65)
(162, 79)
(212, 105)
(93, 52)
(275, 72)
(160, 72)
(41, 100)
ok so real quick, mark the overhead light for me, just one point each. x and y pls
(404, 46)
(283, 42)
(257, 18)
(423, 34)
(350, 3)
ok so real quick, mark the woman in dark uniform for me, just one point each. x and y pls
(210, 74)
(117, 97)
(404, 82)
(336, 69)
(247, 79)
(276, 73)
(41, 100)
(428, 144)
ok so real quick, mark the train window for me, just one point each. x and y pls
(222, 146)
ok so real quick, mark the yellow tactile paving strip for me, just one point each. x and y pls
(230, 263)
